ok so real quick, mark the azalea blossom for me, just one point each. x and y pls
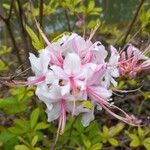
(133, 62)
(74, 76)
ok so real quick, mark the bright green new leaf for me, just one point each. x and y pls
(3, 67)
(34, 141)
(36, 42)
(6, 6)
(16, 130)
(86, 141)
(41, 125)
(87, 104)
(21, 147)
(97, 146)
(34, 117)
(113, 142)
(146, 143)
(116, 129)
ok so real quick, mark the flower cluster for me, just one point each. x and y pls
(74, 75)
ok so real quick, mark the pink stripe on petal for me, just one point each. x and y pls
(36, 81)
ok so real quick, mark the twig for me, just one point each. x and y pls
(8, 26)
(68, 21)
(10, 11)
(41, 13)
(23, 32)
(132, 22)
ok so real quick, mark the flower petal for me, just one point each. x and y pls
(87, 118)
(54, 113)
(72, 64)
(35, 64)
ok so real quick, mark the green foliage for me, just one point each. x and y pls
(108, 134)
(139, 137)
(18, 101)
(36, 41)
(23, 121)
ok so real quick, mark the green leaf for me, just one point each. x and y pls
(116, 129)
(34, 141)
(23, 141)
(41, 125)
(6, 136)
(141, 132)
(60, 36)
(135, 142)
(22, 124)
(97, 146)
(3, 67)
(87, 104)
(5, 102)
(113, 142)
(36, 42)
(146, 143)
(86, 141)
(105, 131)
(34, 117)
(21, 147)
(6, 6)
(37, 148)
(16, 130)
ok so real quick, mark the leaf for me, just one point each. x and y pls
(34, 117)
(6, 6)
(97, 146)
(146, 143)
(41, 125)
(6, 136)
(105, 131)
(5, 102)
(135, 142)
(140, 132)
(36, 42)
(34, 141)
(113, 142)
(37, 148)
(3, 67)
(86, 141)
(131, 135)
(87, 104)
(59, 36)
(116, 129)
(22, 124)
(21, 147)
(23, 141)
(16, 130)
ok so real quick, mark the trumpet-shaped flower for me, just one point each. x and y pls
(73, 72)
(133, 62)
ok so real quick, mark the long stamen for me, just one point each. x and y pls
(62, 119)
(107, 106)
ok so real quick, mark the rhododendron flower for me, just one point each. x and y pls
(72, 74)
(133, 62)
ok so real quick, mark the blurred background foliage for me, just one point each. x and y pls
(23, 122)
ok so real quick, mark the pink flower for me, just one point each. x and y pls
(133, 63)
(73, 71)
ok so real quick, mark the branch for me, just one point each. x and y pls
(7, 23)
(41, 13)
(1, 17)
(132, 22)
(8, 26)
(10, 11)
(68, 21)
(23, 31)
